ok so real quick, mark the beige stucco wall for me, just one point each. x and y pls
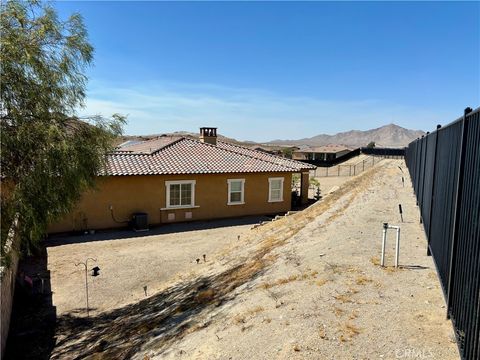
(129, 194)
(296, 155)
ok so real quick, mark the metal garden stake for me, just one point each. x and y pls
(95, 273)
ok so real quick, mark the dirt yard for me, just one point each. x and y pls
(129, 261)
(305, 286)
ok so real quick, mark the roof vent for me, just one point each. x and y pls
(208, 135)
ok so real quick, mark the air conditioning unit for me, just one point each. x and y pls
(140, 221)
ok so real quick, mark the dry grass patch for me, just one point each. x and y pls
(353, 315)
(291, 278)
(337, 311)
(205, 296)
(254, 311)
(344, 298)
(362, 280)
(322, 332)
(375, 260)
(249, 314)
(239, 319)
(321, 282)
(348, 332)
(391, 269)
(352, 290)
(352, 329)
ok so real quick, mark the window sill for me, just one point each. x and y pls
(180, 207)
(275, 201)
(236, 203)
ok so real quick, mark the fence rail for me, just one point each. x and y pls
(384, 152)
(347, 169)
(445, 170)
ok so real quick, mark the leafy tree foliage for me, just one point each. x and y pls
(371, 145)
(49, 157)
(287, 152)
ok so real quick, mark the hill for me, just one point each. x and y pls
(387, 136)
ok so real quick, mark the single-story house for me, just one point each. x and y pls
(324, 153)
(174, 179)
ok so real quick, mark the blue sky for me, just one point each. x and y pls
(269, 70)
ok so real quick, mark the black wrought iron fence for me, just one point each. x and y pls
(390, 153)
(445, 170)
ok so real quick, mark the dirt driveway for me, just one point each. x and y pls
(129, 261)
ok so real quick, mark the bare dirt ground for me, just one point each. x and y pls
(129, 261)
(305, 286)
(328, 184)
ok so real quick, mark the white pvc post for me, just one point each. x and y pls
(384, 240)
(397, 248)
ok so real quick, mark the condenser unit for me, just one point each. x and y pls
(140, 221)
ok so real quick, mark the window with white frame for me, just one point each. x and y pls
(275, 189)
(236, 191)
(180, 193)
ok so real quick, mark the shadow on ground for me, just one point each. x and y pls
(32, 326)
(158, 320)
(64, 239)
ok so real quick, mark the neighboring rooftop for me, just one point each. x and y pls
(146, 147)
(180, 155)
(330, 148)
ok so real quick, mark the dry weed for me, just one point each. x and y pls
(352, 290)
(249, 314)
(362, 280)
(353, 315)
(348, 332)
(338, 311)
(239, 318)
(254, 311)
(321, 282)
(205, 296)
(352, 329)
(283, 281)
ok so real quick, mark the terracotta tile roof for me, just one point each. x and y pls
(148, 146)
(262, 155)
(188, 156)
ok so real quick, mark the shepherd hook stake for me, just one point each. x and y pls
(85, 264)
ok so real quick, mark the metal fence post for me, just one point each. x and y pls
(429, 232)
(423, 177)
(458, 199)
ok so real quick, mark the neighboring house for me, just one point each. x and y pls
(174, 179)
(283, 151)
(324, 153)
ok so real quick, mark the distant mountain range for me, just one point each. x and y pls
(386, 136)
